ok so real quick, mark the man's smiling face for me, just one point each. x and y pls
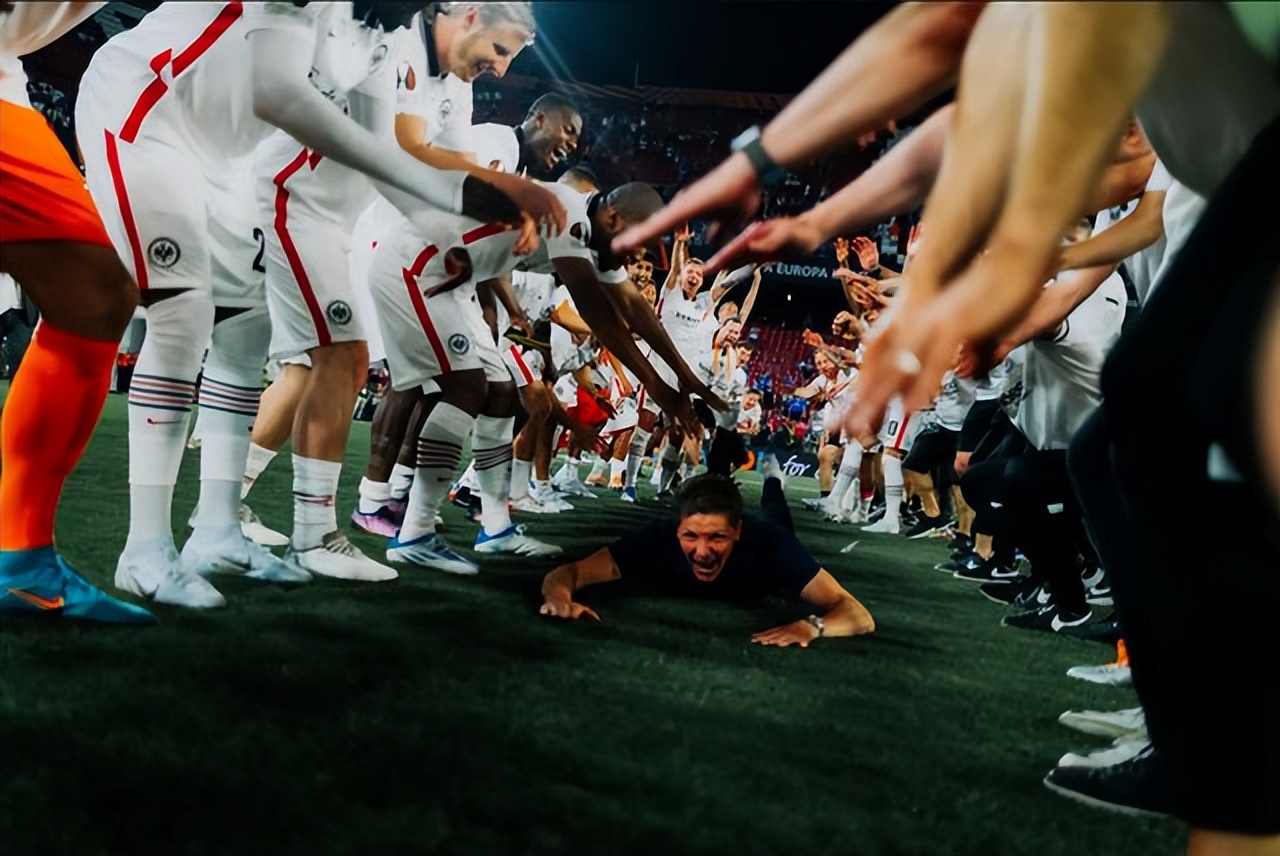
(706, 541)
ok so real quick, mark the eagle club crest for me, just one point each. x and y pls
(579, 231)
(164, 252)
(405, 78)
(446, 107)
(459, 344)
(339, 313)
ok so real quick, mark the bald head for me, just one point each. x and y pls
(634, 202)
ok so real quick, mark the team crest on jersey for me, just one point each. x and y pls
(338, 312)
(459, 344)
(579, 231)
(405, 78)
(446, 107)
(164, 252)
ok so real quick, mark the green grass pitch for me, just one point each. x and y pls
(442, 714)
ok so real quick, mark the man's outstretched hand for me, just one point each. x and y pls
(783, 239)
(566, 609)
(796, 633)
(727, 195)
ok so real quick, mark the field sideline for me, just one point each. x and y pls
(441, 714)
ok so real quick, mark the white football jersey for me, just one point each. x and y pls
(689, 322)
(1061, 375)
(533, 292)
(749, 419)
(349, 57)
(954, 400)
(442, 101)
(186, 70)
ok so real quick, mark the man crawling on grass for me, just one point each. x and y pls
(711, 549)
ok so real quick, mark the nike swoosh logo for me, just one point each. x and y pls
(48, 603)
(1057, 623)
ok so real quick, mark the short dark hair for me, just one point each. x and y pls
(709, 493)
(745, 343)
(583, 173)
(634, 201)
(551, 102)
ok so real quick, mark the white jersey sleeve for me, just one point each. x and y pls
(442, 101)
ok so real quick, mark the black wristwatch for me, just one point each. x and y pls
(767, 169)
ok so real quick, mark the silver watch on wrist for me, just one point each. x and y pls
(818, 624)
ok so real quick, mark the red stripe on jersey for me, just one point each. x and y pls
(519, 359)
(411, 275)
(291, 251)
(156, 89)
(902, 433)
(481, 232)
(126, 212)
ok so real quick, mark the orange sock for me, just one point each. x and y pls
(51, 410)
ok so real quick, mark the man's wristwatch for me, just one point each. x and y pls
(818, 624)
(767, 169)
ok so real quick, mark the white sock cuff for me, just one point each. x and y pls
(450, 420)
(892, 471)
(222, 456)
(491, 432)
(157, 440)
(374, 491)
(315, 477)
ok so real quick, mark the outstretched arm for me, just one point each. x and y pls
(844, 616)
(898, 182)
(283, 97)
(747, 305)
(1045, 317)
(912, 54)
(609, 325)
(679, 255)
(537, 202)
(559, 586)
(1142, 228)
(1012, 182)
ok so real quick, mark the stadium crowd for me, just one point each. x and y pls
(1059, 353)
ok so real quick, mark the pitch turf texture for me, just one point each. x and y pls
(442, 714)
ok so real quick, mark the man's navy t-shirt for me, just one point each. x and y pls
(767, 560)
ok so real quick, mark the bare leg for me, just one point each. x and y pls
(279, 406)
(391, 421)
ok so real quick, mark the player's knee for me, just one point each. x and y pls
(466, 390)
(122, 299)
(500, 399)
(342, 362)
(182, 320)
(239, 346)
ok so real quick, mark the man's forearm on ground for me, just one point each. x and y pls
(847, 618)
(561, 583)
